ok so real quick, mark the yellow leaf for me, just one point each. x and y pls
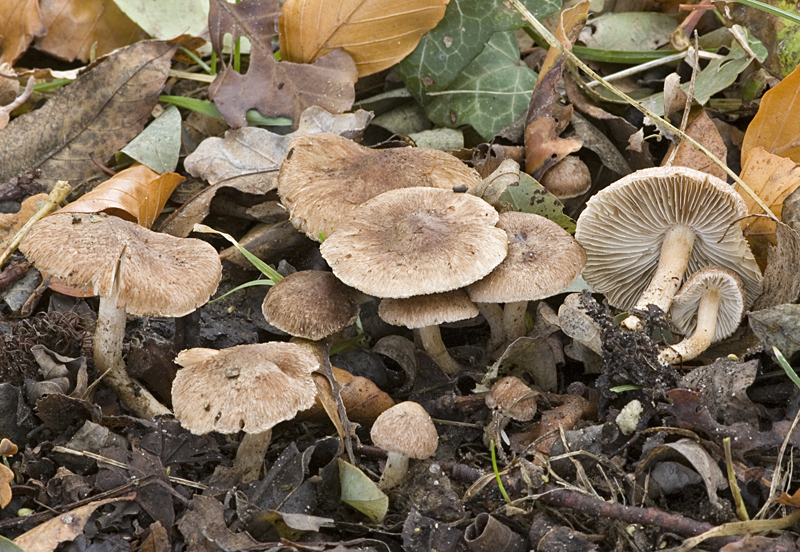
(772, 178)
(776, 126)
(376, 33)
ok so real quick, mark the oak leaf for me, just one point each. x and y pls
(376, 33)
(703, 130)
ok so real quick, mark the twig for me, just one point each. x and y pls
(655, 118)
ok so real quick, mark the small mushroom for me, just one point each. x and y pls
(404, 431)
(646, 232)
(325, 177)
(248, 388)
(510, 399)
(425, 313)
(416, 241)
(710, 305)
(568, 178)
(133, 270)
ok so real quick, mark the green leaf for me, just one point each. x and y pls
(158, 145)
(532, 197)
(360, 492)
(786, 366)
(166, 20)
(265, 269)
(245, 285)
(208, 108)
(633, 31)
(459, 37)
(8, 545)
(490, 93)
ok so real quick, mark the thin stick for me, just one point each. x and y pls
(56, 196)
(655, 118)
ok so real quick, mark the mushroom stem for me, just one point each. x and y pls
(675, 252)
(250, 455)
(691, 347)
(432, 343)
(395, 471)
(514, 319)
(108, 338)
(493, 313)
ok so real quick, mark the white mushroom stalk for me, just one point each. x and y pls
(431, 338)
(395, 471)
(250, 455)
(493, 313)
(691, 347)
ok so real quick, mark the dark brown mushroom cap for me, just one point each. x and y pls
(506, 395)
(542, 260)
(247, 387)
(159, 274)
(327, 176)
(406, 428)
(731, 307)
(428, 310)
(311, 303)
(416, 241)
(623, 226)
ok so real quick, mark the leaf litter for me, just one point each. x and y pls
(614, 427)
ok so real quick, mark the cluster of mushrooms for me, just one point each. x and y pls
(420, 239)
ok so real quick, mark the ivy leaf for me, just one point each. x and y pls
(531, 197)
(490, 93)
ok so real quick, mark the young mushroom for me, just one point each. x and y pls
(710, 305)
(133, 270)
(510, 399)
(404, 431)
(248, 388)
(424, 313)
(645, 232)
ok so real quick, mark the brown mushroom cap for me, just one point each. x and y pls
(326, 177)
(542, 260)
(247, 387)
(406, 428)
(416, 241)
(731, 306)
(311, 303)
(623, 226)
(568, 178)
(158, 274)
(505, 392)
(428, 310)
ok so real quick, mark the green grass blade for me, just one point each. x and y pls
(265, 269)
(786, 367)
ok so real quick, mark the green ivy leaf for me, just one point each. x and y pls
(531, 197)
(490, 93)
(360, 492)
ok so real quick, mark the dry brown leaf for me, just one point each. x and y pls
(376, 33)
(62, 528)
(772, 178)
(10, 223)
(6, 477)
(75, 26)
(782, 275)
(254, 19)
(20, 22)
(137, 194)
(98, 113)
(703, 130)
(776, 126)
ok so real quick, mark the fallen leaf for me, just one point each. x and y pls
(531, 197)
(376, 33)
(203, 527)
(11, 223)
(80, 29)
(6, 477)
(20, 22)
(136, 194)
(632, 31)
(723, 389)
(776, 126)
(165, 20)
(360, 492)
(62, 528)
(159, 144)
(777, 326)
(703, 130)
(98, 113)
(782, 275)
(257, 20)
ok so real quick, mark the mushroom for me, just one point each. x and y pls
(568, 178)
(509, 398)
(646, 231)
(311, 304)
(133, 270)
(325, 177)
(542, 260)
(404, 431)
(710, 305)
(416, 241)
(425, 313)
(248, 388)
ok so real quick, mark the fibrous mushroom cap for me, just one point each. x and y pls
(311, 303)
(622, 229)
(406, 429)
(247, 387)
(732, 301)
(327, 176)
(568, 178)
(542, 260)
(416, 241)
(505, 392)
(428, 310)
(158, 274)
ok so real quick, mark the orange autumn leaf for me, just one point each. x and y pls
(137, 194)
(776, 126)
(20, 23)
(376, 33)
(772, 178)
